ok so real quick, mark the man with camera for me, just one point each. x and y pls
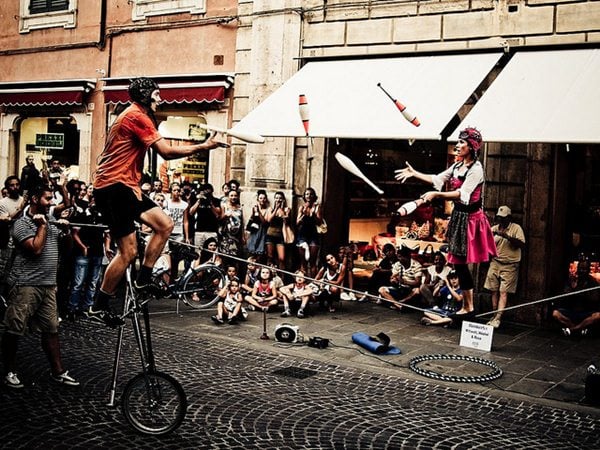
(206, 212)
(504, 268)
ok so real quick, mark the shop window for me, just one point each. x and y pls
(145, 8)
(39, 14)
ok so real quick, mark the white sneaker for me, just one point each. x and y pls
(65, 378)
(286, 313)
(345, 296)
(12, 380)
(352, 296)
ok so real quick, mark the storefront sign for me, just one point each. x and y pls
(476, 335)
(195, 171)
(50, 140)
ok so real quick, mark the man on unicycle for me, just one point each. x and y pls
(119, 197)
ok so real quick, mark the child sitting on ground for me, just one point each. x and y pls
(296, 291)
(450, 300)
(264, 293)
(230, 306)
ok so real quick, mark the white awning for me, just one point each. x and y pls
(549, 96)
(344, 99)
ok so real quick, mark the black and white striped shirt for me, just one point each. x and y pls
(29, 269)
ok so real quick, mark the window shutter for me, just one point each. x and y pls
(42, 6)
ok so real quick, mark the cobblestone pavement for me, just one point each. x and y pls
(237, 400)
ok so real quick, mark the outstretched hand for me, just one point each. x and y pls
(404, 174)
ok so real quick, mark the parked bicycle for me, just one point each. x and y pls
(153, 402)
(198, 287)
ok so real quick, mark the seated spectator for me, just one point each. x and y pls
(405, 280)
(252, 273)
(230, 274)
(382, 272)
(346, 257)
(449, 298)
(434, 278)
(333, 274)
(264, 293)
(579, 312)
(230, 306)
(298, 291)
(209, 254)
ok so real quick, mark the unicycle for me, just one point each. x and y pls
(153, 402)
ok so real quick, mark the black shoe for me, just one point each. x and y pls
(232, 321)
(147, 290)
(105, 317)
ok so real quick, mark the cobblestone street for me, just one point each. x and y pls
(237, 400)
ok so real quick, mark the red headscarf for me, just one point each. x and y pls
(473, 137)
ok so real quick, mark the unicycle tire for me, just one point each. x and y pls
(154, 403)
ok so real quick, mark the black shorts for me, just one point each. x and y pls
(120, 208)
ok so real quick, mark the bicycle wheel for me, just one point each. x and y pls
(201, 289)
(154, 403)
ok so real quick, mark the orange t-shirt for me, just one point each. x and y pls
(122, 159)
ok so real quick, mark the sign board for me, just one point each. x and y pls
(50, 140)
(476, 335)
(195, 171)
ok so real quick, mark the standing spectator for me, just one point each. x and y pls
(405, 280)
(205, 212)
(257, 225)
(469, 233)
(277, 217)
(231, 229)
(225, 190)
(434, 278)
(32, 299)
(30, 175)
(503, 273)
(157, 188)
(11, 208)
(309, 216)
(176, 177)
(88, 251)
(176, 210)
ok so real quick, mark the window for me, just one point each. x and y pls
(144, 8)
(39, 14)
(43, 6)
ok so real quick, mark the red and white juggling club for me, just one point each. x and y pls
(242, 136)
(409, 207)
(304, 111)
(405, 112)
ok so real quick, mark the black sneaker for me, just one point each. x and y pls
(105, 317)
(148, 290)
(217, 320)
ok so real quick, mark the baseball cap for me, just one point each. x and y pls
(503, 211)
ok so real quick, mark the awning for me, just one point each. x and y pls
(546, 96)
(344, 99)
(202, 88)
(45, 93)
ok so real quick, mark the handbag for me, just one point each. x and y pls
(288, 234)
(322, 228)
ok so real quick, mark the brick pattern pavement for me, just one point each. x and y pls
(236, 401)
